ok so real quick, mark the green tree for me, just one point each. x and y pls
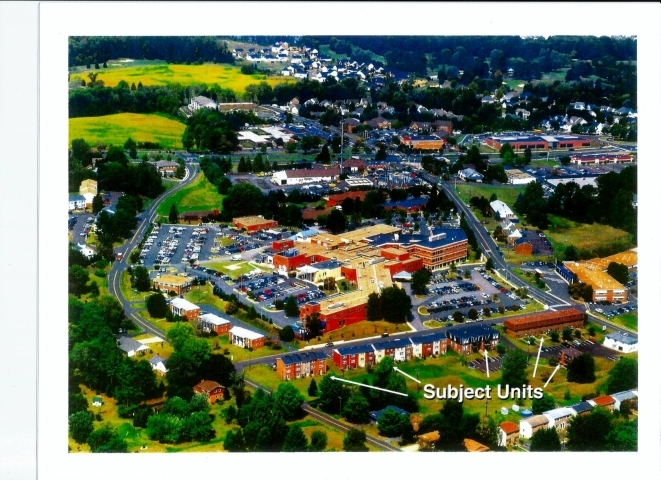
(312, 389)
(589, 433)
(374, 311)
(141, 279)
(289, 400)
(78, 278)
(582, 369)
(356, 409)
(541, 405)
(318, 441)
(295, 440)
(623, 376)
(77, 403)
(324, 155)
(97, 203)
(241, 200)
(395, 304)
(473, 314)
(173, 216)
(619, 272)
(489, 264)
(571, 253)
(555, 336)
(332, 394)
(565, 160)
(566, 334)
(457, 316)
(234, 441)
(156, 305)
(291, 307)
(130, 145)
(545, 440)
(106, 440)
(354, 441)
(419, 281)
(81, 425)
(392, 423)
(623, 437)
(514, 368)
(286, 334)
(337, 222)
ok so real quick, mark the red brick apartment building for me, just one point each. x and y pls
(184, 308)
(544, 322)
(253, 224)
(301, 365)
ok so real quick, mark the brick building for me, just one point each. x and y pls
(423, 142)
(184, 308)
(213, 323)
(544, 322)
(301, 365)
(212, 390)
(335, 200)
(540, 142)
(173, 283)
(465, 339)
(254, 223)
(245, 338)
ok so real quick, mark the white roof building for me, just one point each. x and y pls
(502, 209)
(622, 342)
(245, 333)
(202, 102)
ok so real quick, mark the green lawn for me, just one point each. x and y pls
(627, 320)
(227, 76)
(242, 268)
(506, 194)
(200, 194)
(116, 129)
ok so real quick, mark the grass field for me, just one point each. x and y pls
(116, 129)
(200, 194)
(505, 194)
(163, 74)
(234, 269)
(563, 232)
(627, 320)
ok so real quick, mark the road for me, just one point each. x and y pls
(118, 266)
(330, 421)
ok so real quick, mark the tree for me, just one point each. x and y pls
(565, 160)
(291, 307)
(332, 394)
(289, 400)
(589, 433)
(514, 368)
(156, 305)
(324, 155)
(571, 253)
(541, 405)
(141, 279)
(395, 304)
(295, 440)
(419, 281)
(130, 145)
(77, 403)
(312, 389)
(80, 426)
(545, 440)
(555, 336)
(242, 199)
(286, 334)
(581, 369)
(623, 437)
(356, 409)
(489, 264)
(78, 278)
(457, 316)
(472, 314)
(374, 311)
(97, 203)
(318, 441)
(566, 334)
(337, 222)
(527, 155)
(619, 272)
(392, 423)
(354, 441)
(106, 440)
(313, 325)
(623, 376)
(173, 216)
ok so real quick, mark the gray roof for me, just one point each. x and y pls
(622, 338)
(156, 359)
(626, 395)
(581, 407)
(127, 344)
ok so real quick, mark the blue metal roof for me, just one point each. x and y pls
(354, 350)
(302, 357)
(408, 203)
(471, 332)
(375, 415)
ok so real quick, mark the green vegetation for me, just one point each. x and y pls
(593, 239)
(627, 320)
(505, 194)
(115, 129)
(199, 195)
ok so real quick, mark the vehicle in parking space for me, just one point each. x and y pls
(330, 344)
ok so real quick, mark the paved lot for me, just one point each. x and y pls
(80, 226)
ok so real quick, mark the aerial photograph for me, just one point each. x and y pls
(352, 243)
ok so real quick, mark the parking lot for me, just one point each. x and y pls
(594, 349)
(170, 244)
(81, 226)
(480, 364)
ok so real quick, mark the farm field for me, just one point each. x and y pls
(563, 232)
(200, 194)
(226, 76)
(116, 129)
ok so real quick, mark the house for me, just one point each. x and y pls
(87, 251)
(427, 440)
(213, 323)
(559, 417)
(166, 168)
(253, 223)
(605, 401)
(523, 113)
(212, 390)
(77, 202)
(508, 434)
(443, 126)
(529, 426)
(88, 189)
(510, 231)
(623, 396)
(184, 308)
(159, 364)
(173, 283)
(301, 365)
(354, 165)
(245, 338)
(504, 212)
(379, 122)
(375, 415)
(351, 124)
(97, 401)
(473, 446)
(419, 126)
(131, 347)
(202, 102)
(622, 342)
(582, 408)
(470, 175)
(465, 339)
(359, 356)
(566, 356)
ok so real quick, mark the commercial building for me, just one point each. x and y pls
(544, 322)
(301, 176)
(184, 308)
(245, 338)
(253, 223)
(604, 287)
(622, 342)
(410, 204)
(202, 102)
(423, 142)
(173, 283)
(335, 200)
(517, 177)
(301, 365)
(601, 158)
(503, 211)
(540, 142)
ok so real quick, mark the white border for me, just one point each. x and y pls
(61, 20)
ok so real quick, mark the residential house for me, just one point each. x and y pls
(77, 202)
(508, 434)
(166, 168)
(605, 401)
(504, 212)
(470, 175)
(88, 189)
(623, 396)
(184, 308)
(159, 363)
(87, 251)
(426, 441)
(443, 126)
(131, 347)
(245, 338)
(530, 425)
(582, 408)
(212, 390)
(559, 417)
(213, 323)
(379, 122)
(301, 365)
(473, 446)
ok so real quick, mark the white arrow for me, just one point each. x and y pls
(368, 386)
(556, 369)
(404, 373)
(486, 360)
(541, 341)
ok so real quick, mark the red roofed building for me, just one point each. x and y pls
(544, 322)
(353, 165)
(335, 200)
(508, 434)
(213, 390)
(605, 401)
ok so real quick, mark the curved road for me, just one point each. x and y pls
(114, 275)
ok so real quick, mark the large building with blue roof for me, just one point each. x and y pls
(301, 365)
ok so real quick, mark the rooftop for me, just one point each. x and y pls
(213, 319)
(593, 275)
(251, 221)
(603, 401)
(245, 333)
(183, 303)
(303, 357)
(509, 427)
(537, 420)
(172, 280)
(622, 338)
